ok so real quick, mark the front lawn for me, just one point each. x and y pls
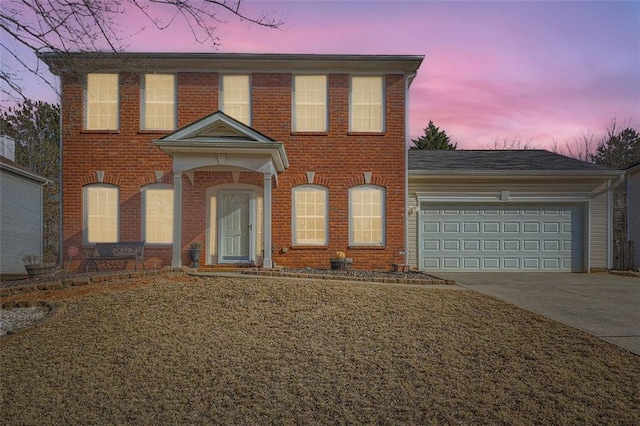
(256, 350)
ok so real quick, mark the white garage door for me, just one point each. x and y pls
(500, 238)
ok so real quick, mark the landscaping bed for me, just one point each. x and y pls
(175, 349)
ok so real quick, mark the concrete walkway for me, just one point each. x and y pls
(604, 305)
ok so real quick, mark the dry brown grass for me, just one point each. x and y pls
(231, 351)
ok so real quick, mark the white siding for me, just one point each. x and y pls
(517, 187)
(20, 222)
(633, 214)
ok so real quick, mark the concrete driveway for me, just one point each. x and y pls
(604, 305)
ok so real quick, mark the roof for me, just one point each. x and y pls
(60, 62)
(634, 168)
(16, 169)
(501, 162)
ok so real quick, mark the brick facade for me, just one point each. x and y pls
(339, 160)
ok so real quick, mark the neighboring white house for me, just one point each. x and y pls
(21, 218)
(633, 211)
(520, 210)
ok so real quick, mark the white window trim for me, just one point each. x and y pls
(143, 231)
(383, 224)
(85, 211)
(143, 103)
(294, 104)
(86, 103)
(221, 95)
(383, 107)
(293, 215)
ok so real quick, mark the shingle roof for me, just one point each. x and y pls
(15, 168)
(530, 160)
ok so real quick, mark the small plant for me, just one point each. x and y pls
(31, 259)
(196, 245)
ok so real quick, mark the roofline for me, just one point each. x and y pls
(69, 61)
(508, 174)
(19, 171)
(632, 169)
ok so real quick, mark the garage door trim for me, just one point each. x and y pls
(575, 199)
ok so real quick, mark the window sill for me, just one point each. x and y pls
(367, 248)
(366, 133)
(158, 245)
(100, 132)
(309, 133)
(308, 247)
(154, 132)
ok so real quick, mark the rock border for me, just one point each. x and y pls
(73, 281)
(55, 310)
(378, 279)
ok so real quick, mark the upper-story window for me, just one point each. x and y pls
(367, 101)
(310, 103)
(101, 102)
(235, 99)
(159, 102)
(100, 213)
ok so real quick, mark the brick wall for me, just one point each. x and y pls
(339, 160)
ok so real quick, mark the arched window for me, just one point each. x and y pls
(310, 215)
(157, 214)
(101, 212)
(366, 215)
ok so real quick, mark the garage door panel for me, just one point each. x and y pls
(501, 237)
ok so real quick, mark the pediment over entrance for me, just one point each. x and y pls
(219, 134)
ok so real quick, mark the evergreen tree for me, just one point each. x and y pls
(433, 138)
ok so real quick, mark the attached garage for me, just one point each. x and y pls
(526, 211)
(494, 237)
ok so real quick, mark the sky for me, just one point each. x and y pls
(540, 72)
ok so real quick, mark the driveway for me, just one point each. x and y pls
(604, 305)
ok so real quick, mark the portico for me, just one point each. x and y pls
(219, 143)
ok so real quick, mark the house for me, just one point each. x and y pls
(521, 210)
(21, 217)
(633, 211)
(265, 158)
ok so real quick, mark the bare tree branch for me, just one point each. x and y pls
(93, 25)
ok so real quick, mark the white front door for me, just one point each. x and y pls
(235, 226)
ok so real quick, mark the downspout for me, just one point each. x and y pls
(407, 83)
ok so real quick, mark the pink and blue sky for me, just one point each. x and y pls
(540, 72)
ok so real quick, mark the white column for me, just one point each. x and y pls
(266, 261)
(176, 261)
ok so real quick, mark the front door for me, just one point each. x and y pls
(235, 227)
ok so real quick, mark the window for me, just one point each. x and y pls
(366, 216)
(100, 214)
(102, 102)
(310, 103)
(157, 207)
(235, 98)
(366, 104)
(159, 102)
(310, 224)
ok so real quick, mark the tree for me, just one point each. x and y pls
(618, 149)
(511, 144)
(580, 148)
(35, 126)
(92, 25)
(433, 138)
